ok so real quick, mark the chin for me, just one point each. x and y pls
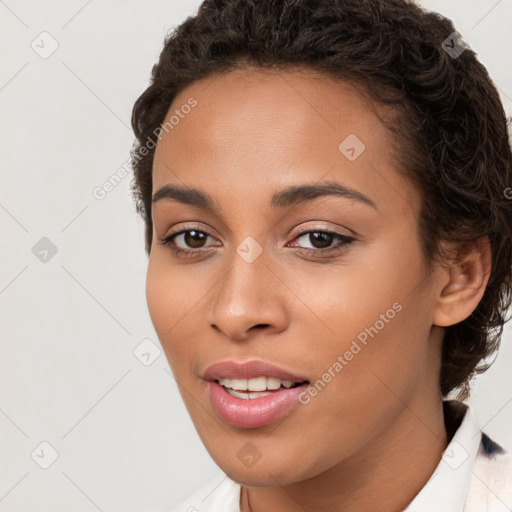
(265, 472)
(265, 476)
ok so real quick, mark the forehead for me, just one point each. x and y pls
(252, 132)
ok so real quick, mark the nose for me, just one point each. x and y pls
(249, 298)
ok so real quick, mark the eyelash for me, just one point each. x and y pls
(345, 241)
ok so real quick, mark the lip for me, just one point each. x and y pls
(247, 370)
(253, 412)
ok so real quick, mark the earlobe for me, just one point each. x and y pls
(463, 282)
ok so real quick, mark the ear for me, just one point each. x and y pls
(462, 280)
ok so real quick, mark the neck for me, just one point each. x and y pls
(384, 476)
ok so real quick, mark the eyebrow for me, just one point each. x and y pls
(292, 195)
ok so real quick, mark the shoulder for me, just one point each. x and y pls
(491, 481)
(220, 494)
(485, 478)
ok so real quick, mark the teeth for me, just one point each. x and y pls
(240, 384)
(273, 383)
(247, 396)
(255, 384)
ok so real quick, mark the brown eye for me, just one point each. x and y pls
(321, 242)
(194, 239)
(187, 242)
(320, 239)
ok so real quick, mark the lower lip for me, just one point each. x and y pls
(253, 412)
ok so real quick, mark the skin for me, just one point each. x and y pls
(357, 444)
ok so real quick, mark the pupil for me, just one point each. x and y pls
(324, 238)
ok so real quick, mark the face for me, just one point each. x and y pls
(328, 285)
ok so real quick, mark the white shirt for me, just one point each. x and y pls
(473, 475)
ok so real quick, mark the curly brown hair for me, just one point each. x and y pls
(449, 123)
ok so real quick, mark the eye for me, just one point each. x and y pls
(192, 239)
(321, 242)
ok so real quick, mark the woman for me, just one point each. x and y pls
(329, 239)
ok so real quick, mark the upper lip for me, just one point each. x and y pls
(248, 370)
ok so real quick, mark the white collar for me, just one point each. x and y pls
(449, 485)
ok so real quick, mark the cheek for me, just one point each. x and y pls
(375, 316)
(156, 297)
(166, 303)
(169, 294)
(174, 303)
(344, 300)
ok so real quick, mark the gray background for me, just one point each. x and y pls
(70, 325)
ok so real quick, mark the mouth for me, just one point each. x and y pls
(253, 393)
